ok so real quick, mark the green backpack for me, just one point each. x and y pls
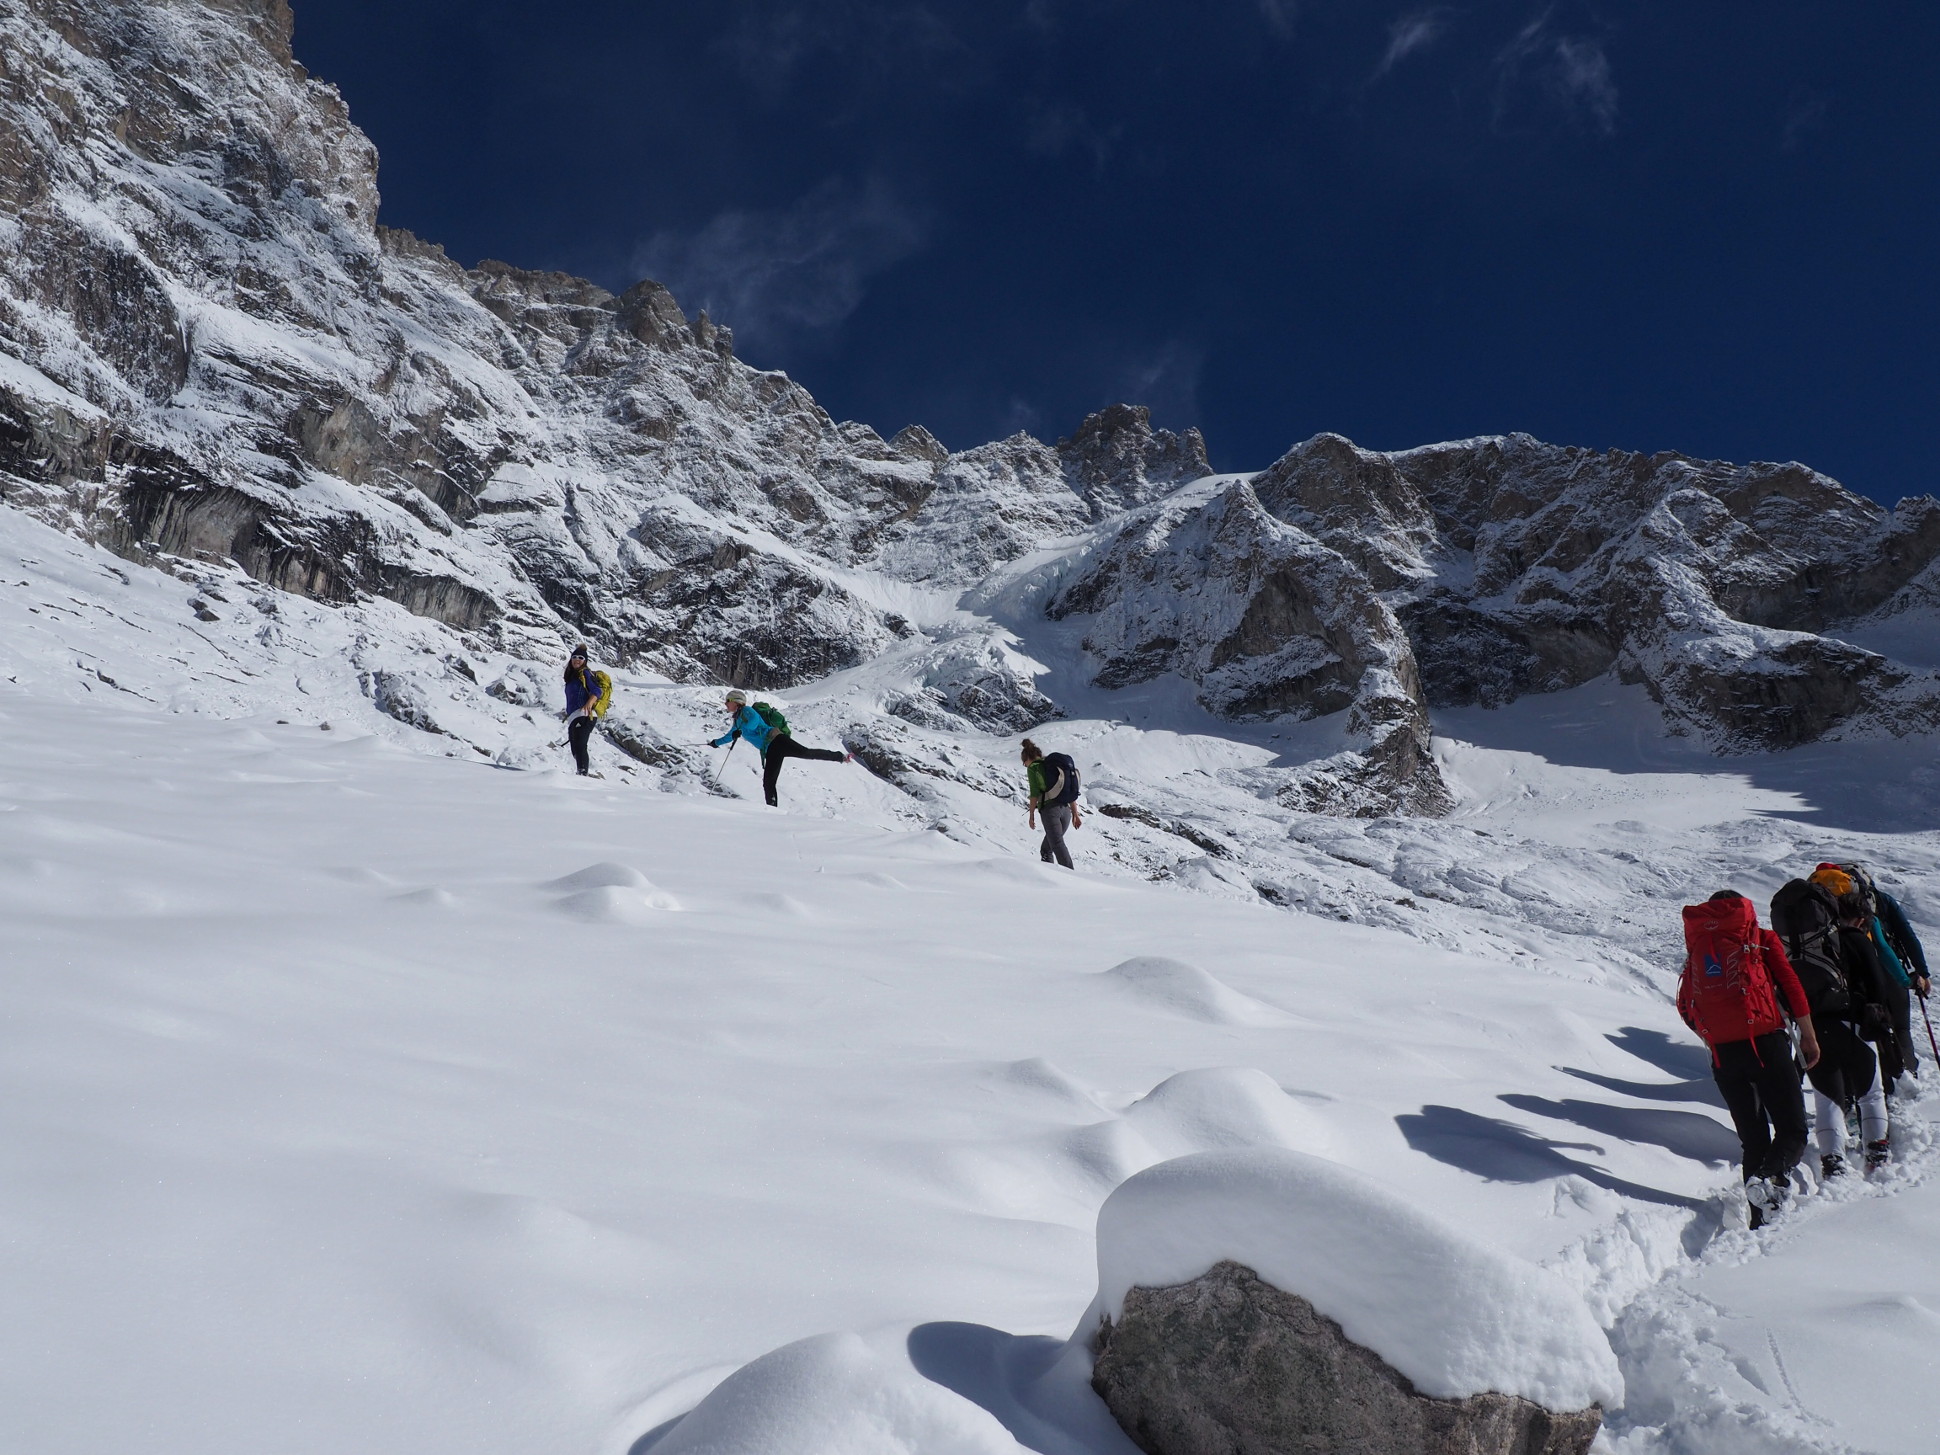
(771, 715)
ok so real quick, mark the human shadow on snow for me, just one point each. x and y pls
(1690, 1062)
(1501, 1151)
(1677, 1058)
(1687, 1133)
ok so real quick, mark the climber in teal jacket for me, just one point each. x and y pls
(771, 740)
(748, 724)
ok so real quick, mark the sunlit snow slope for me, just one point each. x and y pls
(357, 1096)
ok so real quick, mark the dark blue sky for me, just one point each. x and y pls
(1707, 227)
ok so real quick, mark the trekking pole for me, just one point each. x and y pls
(724, 762)
(1929, 1020)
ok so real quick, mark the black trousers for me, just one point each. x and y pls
(577, 733)
(1847, 1064)
(781, 748)
(1761, 1087)
(1900, 1002)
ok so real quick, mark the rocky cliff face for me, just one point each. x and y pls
(220, 353)
(210, 351)
(1520, 567)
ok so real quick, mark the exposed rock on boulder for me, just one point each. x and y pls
(1230, 1365)
(1258, 1301)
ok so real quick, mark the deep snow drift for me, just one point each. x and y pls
(362, 1092)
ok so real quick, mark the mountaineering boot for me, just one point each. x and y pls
(1878, 1154)
(1830, 1166)
(1764, 1198)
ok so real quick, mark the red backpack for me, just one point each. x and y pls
(1727, 992)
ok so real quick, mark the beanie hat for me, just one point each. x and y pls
(738, 697)
(578, 651)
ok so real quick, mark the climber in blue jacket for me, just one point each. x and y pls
(767, 733)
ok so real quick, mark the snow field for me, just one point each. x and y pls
(360, 1092)
(343, 1107)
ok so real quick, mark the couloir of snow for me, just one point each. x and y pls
(362, 1092)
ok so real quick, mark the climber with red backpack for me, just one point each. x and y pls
(766, 731)
(1729, 993)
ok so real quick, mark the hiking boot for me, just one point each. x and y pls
(1764, 1198)
(1878, 1154)
(1830, 1166)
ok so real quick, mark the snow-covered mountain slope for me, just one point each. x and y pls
(212, 356)
(359, 1096)
(369, 1083)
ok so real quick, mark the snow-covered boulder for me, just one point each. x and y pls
(1263, 1300)
(834, 1395)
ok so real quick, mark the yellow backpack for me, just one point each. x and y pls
(603, 697)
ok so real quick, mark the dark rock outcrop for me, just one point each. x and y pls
(1518, 567)
(1265, 621)
(1230, 1365)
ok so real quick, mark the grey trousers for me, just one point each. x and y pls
(1057, 823)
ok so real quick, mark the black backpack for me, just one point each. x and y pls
(1061, 762)
(1806, 918)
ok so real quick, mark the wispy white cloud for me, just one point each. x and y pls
(772, 39)
(1280, 16)
(1165, 379)
(788, 277)
(1415, 31)
(1571, 71)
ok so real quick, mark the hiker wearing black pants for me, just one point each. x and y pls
(1053, 794)
(782, 747)
(1901, 955)
(586, 692)
(766, 730)
(1729, 993)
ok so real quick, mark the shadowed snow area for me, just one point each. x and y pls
(360, 1092)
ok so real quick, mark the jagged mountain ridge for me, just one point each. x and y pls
(210, 350)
